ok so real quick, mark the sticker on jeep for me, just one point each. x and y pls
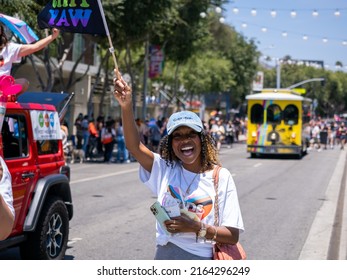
(46, 125)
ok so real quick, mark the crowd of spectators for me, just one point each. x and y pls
(103, 138)
(227, 131)
(327, 134)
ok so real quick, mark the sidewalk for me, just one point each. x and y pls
(327, 238)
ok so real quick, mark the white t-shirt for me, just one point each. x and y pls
(165, 178)
(6, 186)
(11, 55)
(315, 131)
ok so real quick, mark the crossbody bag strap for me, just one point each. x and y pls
(215, 177)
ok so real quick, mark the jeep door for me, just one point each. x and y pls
(20, 159)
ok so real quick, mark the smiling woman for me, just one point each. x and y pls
(183, 170)
(195, 150)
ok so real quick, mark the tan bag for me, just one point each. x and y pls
(222, 251)
(229, 252)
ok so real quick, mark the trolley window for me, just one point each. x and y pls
(257, 114)
(291, 115)
(274, 113)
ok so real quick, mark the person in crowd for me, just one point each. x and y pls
(343, 135)
(122, 151)
(163, 129)
(79, 131)
(315, 140)
(141, 128)
(154, 135)
(184, 169)
(64, 136)
(218, 132)
(12, 52)
(237, 128)
(324, 136)
(7, 213)
(146, 135)
(85, 132)
(206, 126)
(331, 135)
(99, 126)
(108, 136)
(92, 140)
(229, 133)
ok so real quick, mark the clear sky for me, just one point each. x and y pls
(326, 33)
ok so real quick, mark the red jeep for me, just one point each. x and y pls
(30, 143)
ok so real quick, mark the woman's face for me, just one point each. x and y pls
(186, 145)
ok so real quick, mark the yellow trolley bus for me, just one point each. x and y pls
(278, 123)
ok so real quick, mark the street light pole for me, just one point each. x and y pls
(306, 81)
(278, 73)
(145, 78)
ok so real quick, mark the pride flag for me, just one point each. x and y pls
(75, 16)
(19, 28)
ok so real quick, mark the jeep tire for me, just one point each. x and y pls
(49, 240)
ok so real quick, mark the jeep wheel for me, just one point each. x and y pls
(49, 241)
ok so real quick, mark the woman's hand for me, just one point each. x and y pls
(122, 91)
(182, 224)
(55, 33)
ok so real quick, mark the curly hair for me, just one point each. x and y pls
(209, 152)
(3, 38)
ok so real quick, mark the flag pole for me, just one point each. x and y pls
(111, 49)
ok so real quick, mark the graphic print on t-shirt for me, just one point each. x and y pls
(197, 197)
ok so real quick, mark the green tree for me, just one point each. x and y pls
(242, 55)
(331, 97)
(24, 9)
(202, 55)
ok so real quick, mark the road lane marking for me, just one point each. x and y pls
(258, 164)
(104, 176)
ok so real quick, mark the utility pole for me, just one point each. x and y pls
(145, 78)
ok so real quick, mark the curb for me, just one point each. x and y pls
(321, 243)
(343, 241)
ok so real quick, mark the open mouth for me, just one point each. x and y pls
(187, 151)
